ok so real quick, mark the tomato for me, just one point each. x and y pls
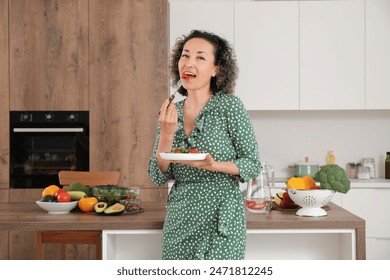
(193, 151)
(250, 203)
(255, 205)
(259, 205)
(63, 197)
(58, 192)
(86, 204)
(185, 76)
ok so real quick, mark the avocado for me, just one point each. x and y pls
(49, 198)
(100, 207)
(115, 209)
(77, 187)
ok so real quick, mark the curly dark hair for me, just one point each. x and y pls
(225, 60)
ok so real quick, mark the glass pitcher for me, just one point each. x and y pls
(258, 193)
(271, 174)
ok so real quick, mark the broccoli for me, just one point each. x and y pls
(77, 187)
(333, 177)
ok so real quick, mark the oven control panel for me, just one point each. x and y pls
(26, 117)
(50, 117)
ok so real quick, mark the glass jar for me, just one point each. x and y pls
(370, 163)
(364, 172)
(352, 169)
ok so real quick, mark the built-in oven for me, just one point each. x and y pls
(43, 143)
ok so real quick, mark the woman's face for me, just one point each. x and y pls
(197, 64)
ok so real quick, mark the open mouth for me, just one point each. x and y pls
(188, 75)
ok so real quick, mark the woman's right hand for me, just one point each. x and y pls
(168, 126)
(168, 119)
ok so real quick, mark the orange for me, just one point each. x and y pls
(86, 204)
(50, 190)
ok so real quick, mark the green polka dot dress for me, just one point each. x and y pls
(205, 217)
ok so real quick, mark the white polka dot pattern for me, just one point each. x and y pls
(205, 212)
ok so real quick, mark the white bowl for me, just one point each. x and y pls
(57, 207)
(311, 201)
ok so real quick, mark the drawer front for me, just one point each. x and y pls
(378, 249)
(372, 206)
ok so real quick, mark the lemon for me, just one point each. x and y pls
(50, 190)
(277, 198)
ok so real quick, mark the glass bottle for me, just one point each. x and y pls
(387, 166)
(330, 158)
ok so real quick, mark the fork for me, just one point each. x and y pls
(174, 94)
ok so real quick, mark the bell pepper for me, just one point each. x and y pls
(296, 183)
(286, 202)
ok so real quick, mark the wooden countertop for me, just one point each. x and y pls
(29, 217)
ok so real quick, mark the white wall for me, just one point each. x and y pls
(286, 137)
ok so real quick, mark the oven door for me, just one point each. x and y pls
(39, 152)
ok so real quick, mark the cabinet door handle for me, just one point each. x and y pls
(52, 129)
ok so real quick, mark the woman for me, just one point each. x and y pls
(205, 216)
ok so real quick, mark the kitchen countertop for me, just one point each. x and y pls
(379, 183)
(29, 217)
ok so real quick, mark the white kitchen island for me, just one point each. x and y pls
(276, 235)
(298, 244)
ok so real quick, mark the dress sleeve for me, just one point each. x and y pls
(154, 170)
(242, 135)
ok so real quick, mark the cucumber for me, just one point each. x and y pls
(77, 195)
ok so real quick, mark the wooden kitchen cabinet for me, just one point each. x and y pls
(4, 99)
(110, 59)
(48, 55)
(267, 47)
(377, 54)
(332, 55)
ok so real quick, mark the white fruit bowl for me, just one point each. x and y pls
(311, 201)
(57, 207)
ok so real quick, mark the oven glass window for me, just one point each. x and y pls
(39, 151)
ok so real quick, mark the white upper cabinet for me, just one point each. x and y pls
(332, 55)
(378, 54)
(300, 55)
(216, 17)
(266, 44)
